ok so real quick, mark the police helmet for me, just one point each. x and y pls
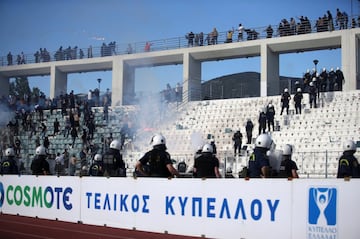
(349, 145)
(298, 90)
(286, 90)
(97, 157)
(287, 150)
(41, 150)
(314, 79)
(324, 69)
(207, 148)
(332, 69)
(311, 83)
(263, 141)
(9, 152)
(307, 71)
(337, 68)
(270, 105)
(115, 144)
(158, 139)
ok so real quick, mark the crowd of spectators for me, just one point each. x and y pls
(285, 28)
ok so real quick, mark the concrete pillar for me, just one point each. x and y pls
(117, 82)
(58, 82)
(128, 84)
(350, 54)
(269, 77)
(4, 86)
(191, 78)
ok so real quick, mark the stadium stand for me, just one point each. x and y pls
(317, 134)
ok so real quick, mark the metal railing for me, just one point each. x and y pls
(169, 43)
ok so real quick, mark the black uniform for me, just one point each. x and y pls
(348, 165)
(297, 99)
(39, 165)
(9, 166)
(270, 114)
(205, 165)
(237, 138)
(114, 165)
(96, 169)
(155, 162)
(249, 128)
(286, 167)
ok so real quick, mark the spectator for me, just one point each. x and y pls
(249, 128)
(59, 165)
(285, 99)
(147, 47)
(129, 49)
(214, 36)
(240, 32)
(74, 135)
(17, 146)
(207, 164)
(190, 37)
(269, 32)
(56, 127)
(9, 59)
(72, 165)
(229, 36)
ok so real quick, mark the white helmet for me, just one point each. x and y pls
(97, 157)
(115, 144)
(287, 150)
(324, 69)
(41, 150)
(349, 145)
(263, 141)
(286, 90)
(311, 83)
(298, 90)
(158, 139)
(207, 148)
(314, 79)
(9, 152)
(332, 69)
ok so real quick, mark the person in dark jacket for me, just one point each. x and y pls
(206, 165)
(39, 165)
(156, 162)
(9, 165)
(348, 163)
(113, 162)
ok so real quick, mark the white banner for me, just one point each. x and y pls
(215, 208)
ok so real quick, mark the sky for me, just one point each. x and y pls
(28, 25)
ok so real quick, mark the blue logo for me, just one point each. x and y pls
(322, 206)
(2, 194)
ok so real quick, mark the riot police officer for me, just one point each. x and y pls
(207, 165)
(39, 165)
(288, 167)
(97, 168)
(9, 165)
(348, 163)
(113, 163)
(156, 162)
(259, 163)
